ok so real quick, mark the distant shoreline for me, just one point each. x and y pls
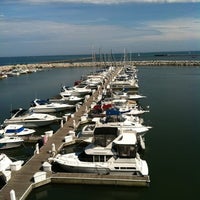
(62, 64)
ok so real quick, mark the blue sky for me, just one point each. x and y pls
(65, 27)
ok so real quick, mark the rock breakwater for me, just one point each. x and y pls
(61, 64)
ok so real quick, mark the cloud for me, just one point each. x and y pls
(111, 1)
(53, 38)
(177, 29)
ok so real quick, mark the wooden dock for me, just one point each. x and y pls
(22, 181)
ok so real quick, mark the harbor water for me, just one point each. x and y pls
(172, 145)
(145, 56)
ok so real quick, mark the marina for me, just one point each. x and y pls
(99, 99)
(54, 144)
(157, 176)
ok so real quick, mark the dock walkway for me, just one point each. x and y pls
(22, 181)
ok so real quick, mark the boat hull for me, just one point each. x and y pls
(71, 163)
(51, 109)
(10, 145)
(76, 169)
(30, 123)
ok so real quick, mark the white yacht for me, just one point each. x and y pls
(68, 99)
(125, 95)
(78, 90)
(87, 130)
(44, 106)
(16, 130)
(126, 106)
(134, 111)
(7, 165)
(94, 82)
(9, 142)
(108, 153)
(5, 162)
(29, 119)
(124, 82)
(123, 121)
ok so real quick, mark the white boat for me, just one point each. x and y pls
(109, 153)
(44, 106)
(125, 95)
(7, 166)
(78, 90)
(137, 129)
(30, 120)
(129, 107)
(82, 89)
(67, 99)
(74, 99)
(9, 142)
(87, 130)
(94, 82)
(16, 130)
(115, 118)
(124, 81)
(5, 162)
(135, 111)
(126, 106)
(128, 125)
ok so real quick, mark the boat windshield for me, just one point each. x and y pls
(18, 112)
(17, 130)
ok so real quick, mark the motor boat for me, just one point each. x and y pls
(78, 90)
(138, 130)
(7, 165)
(115, 118)
(134, 111)
(125, 95)
(131, 84)
(69, 99)
(87, 130)
(94, 82)
(128, 106)
(30, 119)
(16, 130)
(44, 106)
(110, 152)
(5, 162)
(9, 142)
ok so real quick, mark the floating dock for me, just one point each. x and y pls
(33, 175)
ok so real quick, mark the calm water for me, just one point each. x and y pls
(182, 55)
(19, 91)
(172, 146)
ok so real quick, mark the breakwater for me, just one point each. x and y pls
(57, 64)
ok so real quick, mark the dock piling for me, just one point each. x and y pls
(53, 149)
(37, 151)
(12, 195)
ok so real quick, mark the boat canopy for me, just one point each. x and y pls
(126, 139)
(104, 135)
(113, 111)
(14, 129)
(91, 149)
(40, 102)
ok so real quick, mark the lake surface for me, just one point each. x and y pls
(172, 145)
(177, 55)
(19, 91)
